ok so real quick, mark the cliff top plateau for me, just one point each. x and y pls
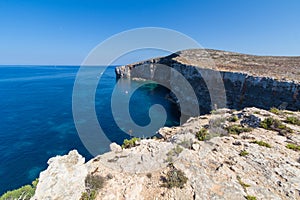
(277, 67)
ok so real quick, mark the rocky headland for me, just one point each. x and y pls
(225, 79)
(224, 155)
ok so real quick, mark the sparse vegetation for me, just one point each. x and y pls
(130, 143)
(293, 147)
(233, 118)
(23, 193)
(237, 129)
(186, 143)
(173, 153)
(261, 143)
(201, 135)
(275, 111)
(174, 178)
(216, 131)
(217, 122)
(276, 125)
(93, 183)
(293, 120)
(249, 197)
(244, 185)
(244, 153)
(216, 127)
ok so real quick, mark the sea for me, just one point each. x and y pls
(36, 120)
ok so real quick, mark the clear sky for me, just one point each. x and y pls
(64, 31)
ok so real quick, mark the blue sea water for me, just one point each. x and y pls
(36, 120)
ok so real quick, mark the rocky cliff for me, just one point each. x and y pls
(247, 154)
(259, 81)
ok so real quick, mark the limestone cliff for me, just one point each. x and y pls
(235, 159)
(259, 81)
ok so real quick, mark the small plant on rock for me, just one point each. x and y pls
(293, 120)
(174, 178)
(93, 183)
(202, 134)
(244, 185)
(275, 125)
(244, 153)
(130, 143)
(249, 197)
(293, 147)
(275, 111)
(233, 118)
(186, 143)
(217, 122)
(261, 143)
(237, 129)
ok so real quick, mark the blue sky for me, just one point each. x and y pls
(64, 31)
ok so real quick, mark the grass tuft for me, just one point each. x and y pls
(293, 120)
(261, 143)
(293, 147)
(244, 153)
(237, 129)
(130, 143)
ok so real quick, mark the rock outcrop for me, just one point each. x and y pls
(249, 81)
(225, 165)
(63, 179)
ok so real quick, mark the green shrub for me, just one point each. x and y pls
(201, 135)
(276, 125)
(237, 129)
(248, 197)
(130, 143)
(88, 195)
(293, 147)
(293, 120)
(93, 183)
(23, 193)
(261, 143)
(244, 153)
(275, 111)
(244, 185)
(174, 178)
(233, 118)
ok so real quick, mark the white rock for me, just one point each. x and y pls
(63, 179)
(196, 146)
(115, 148)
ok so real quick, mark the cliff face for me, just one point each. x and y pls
(246, 160)
(258, 81)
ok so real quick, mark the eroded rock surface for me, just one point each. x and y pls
(224, 79)
(228, 167)
(63, 179)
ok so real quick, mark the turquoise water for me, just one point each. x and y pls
(36, 120)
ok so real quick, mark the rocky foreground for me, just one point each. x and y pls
(247, 154)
